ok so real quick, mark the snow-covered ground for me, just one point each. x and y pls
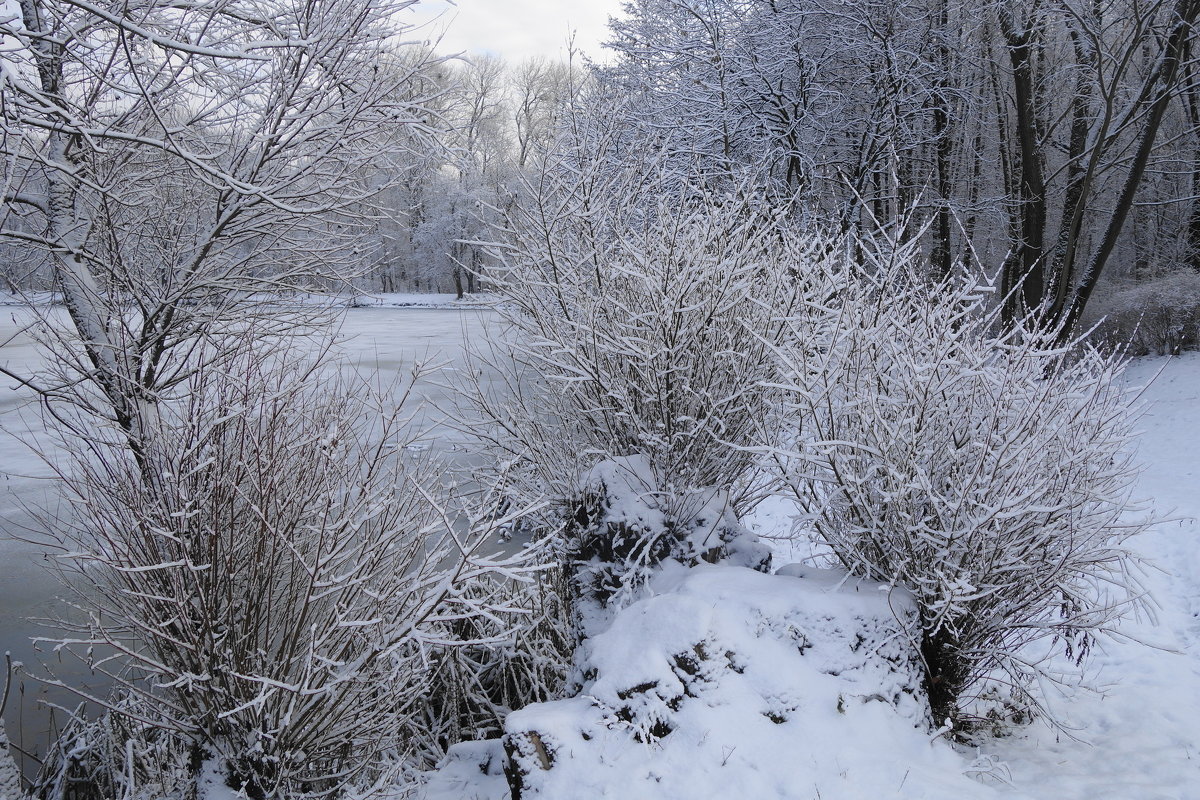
(414, 300)
(1141, 737)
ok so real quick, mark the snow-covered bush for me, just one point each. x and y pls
(1158, 316)
(275, 590)
(495, 664)
(10, 778)
(124, 754)
(639, 311)
(988, 473)
(626, 523)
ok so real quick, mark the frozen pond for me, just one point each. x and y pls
(386, 342)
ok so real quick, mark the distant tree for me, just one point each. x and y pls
(540, 88)
(1116, 115)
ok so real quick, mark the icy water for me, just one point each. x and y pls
(383, 343)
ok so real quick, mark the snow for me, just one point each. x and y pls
(630, 487)
(1141, 737)
(728, 682)
(211, 783)
(10, 782)
(365, 300)
(415, 300)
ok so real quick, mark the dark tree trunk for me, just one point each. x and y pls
(1161, 82)
(1031, 194)
(1078, 179)
(1192, 101)
(943, 258)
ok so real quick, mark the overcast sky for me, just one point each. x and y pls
(517, 29)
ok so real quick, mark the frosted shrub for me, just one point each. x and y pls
(275, 589)
(639, 315)
(499, 663)
(987, 473)
(1159, 316)
(124, 753)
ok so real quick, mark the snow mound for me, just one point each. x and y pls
(627, 525)
(729, 682)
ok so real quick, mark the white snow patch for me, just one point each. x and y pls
(470, 771)
(1140, 737)
(210, 783)
(630, 489)
(732, 683)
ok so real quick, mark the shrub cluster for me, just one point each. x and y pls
(639, 320)
(278, 594)
(1160, 316)
(983, 467)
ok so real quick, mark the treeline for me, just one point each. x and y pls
(420, 191)
(491, 119)
(1044, 144)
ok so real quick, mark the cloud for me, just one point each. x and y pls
(517, 29)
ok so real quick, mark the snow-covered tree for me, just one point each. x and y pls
(176, 161)
(265, 577)
(540, 89)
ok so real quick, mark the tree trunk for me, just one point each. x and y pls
(943, 258)
(1162, 82)
(1079, 179)
(1192, 100)
(1031, 196)
(68, 232)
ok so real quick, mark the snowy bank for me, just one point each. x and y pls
(373, 300)
(728, 682)
(416, 300)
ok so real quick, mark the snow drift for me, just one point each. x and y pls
(728, 682)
